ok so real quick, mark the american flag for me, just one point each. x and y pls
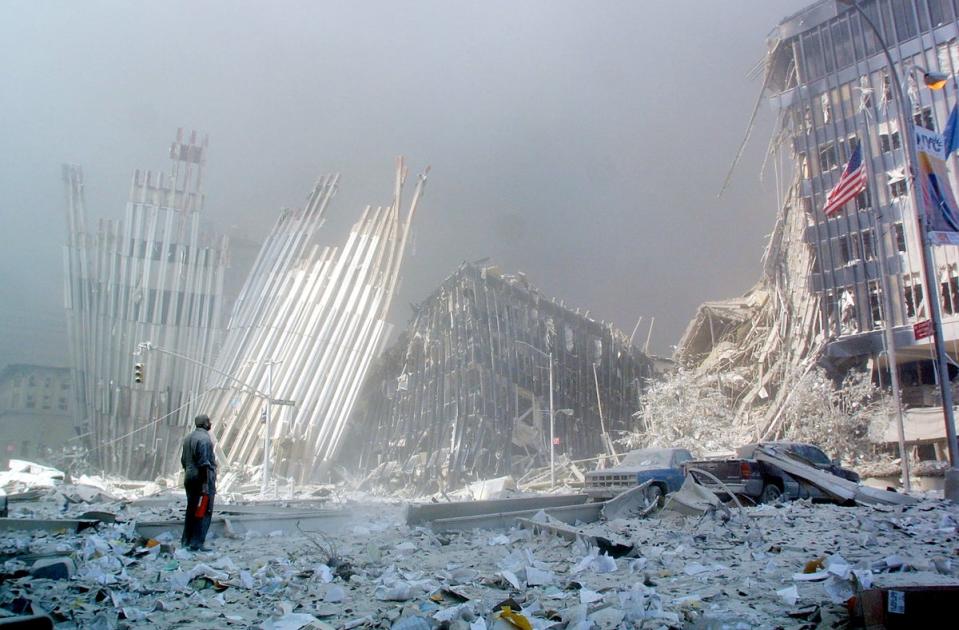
(851, 183)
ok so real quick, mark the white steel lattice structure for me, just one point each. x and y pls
(305, 328)
(152, 276)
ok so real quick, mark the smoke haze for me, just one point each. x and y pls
(582, 143)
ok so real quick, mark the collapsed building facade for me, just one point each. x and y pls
(832, 285)
(153, 276)
(303, 333)
(465, 394)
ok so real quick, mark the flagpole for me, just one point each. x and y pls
(951, 490)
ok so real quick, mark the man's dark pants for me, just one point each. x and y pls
(195, 529)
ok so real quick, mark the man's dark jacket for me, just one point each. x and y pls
(199, 462)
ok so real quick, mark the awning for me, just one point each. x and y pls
(923, 424)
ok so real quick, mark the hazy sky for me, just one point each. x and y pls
(580, 142)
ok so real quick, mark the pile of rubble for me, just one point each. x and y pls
(557, 562)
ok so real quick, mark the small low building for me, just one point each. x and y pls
(35, 411)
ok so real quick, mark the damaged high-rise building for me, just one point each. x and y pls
(153, 276)
(829, 81)
(821, 301)
(466, 392)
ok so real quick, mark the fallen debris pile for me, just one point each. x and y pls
(787, 566)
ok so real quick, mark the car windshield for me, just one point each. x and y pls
(648, 458)
(811, 453)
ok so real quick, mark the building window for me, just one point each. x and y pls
(868, 244)
(924, 118)
(827, 157)
(848, 316)
(31, 402)
(889, 141)
(949, 292)
(848, 249)
(886, 89)
(900, 237)
(913, 291)
(846, 147)
(815, 65)
(897, 189)
(905, 19)
(948, 54)
(863, 202)
(842, 43)
(875, 304)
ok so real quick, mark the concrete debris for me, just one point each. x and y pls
(765, 566)
(841, 489)
(22, 476)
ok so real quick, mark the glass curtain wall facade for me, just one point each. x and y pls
(828, 80)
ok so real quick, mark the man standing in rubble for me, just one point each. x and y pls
(199, 481)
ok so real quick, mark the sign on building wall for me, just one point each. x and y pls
(935, 193)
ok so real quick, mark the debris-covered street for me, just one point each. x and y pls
(789, 565)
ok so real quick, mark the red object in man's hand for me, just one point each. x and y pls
(202, 506)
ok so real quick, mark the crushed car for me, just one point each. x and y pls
(762, 481)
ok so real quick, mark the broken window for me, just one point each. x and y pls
(827, 157)
(889, 139)
(848, 249)
(948, 55)
(900, 236)
(913, 294)
(847, 311)
(875, 304)
(924, 118)
(949, 291)
(868, 244)
(897, 188)
(865, 94)
(886, 91)
(826, 107)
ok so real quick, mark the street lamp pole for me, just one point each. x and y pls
(909, 140)
(552, 427)
(266, 433)
(146, 346)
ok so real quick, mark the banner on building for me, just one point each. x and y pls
(934, 192)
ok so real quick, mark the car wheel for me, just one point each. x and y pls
(771, 494)
(654, 494)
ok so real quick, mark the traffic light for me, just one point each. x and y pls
(137, 372)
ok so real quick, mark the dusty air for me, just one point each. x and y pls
(496, 316)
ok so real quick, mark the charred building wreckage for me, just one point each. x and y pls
(466, 392)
